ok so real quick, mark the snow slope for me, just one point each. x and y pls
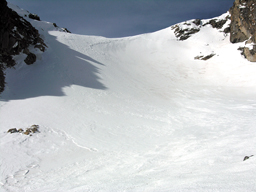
(130, 114)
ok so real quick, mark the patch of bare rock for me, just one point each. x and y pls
(29, 131)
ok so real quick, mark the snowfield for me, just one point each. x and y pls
(130, 114)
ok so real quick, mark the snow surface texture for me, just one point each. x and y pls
(130, 114)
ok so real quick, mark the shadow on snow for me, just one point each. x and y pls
(60, 67)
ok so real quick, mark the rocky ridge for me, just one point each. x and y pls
(186, 29)
(16, 35)
(242, 27)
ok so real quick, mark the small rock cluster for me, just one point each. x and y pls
(29, 131)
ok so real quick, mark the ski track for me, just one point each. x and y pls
(130, 114)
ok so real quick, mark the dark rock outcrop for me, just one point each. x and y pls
(12, 130)
(30, 59)
(243, 26)
(218, 24)
(184, 34)
(185, 30)
(197, 22)
(247, 157)
(66, 30)
(201, 57)
(34, 16)
(16, 35)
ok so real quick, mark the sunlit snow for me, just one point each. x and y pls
(130, 114)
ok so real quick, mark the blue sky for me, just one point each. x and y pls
(119, 18)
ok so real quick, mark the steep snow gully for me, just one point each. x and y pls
(130, 114)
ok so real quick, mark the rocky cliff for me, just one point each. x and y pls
(243, 26)
(16, 35)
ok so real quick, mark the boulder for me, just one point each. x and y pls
(13, 130)
(30, 59)
(250, 54)
(197, 22)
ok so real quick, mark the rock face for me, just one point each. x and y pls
(16, 35)
(243, 26)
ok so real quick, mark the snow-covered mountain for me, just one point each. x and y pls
(152, 112)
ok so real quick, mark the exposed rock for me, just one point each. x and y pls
(186, 29)
(227, 30)
(218, 24)
(32, 129)
(20, 130)
(13, 130)
(197, 22)
(29, 131)
(208, 57)
(30, 59)
(247, 157)
(34, 16)
(243, 21)
(201, 57)
(183, 34)
(66, 30)
(16, 35)
(243, 26)
(250, 54)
